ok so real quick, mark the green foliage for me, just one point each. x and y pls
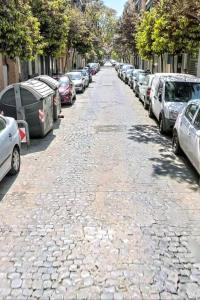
(54, 24)
(143, 37)
(169, 28)
(124, 42)
(19, 30)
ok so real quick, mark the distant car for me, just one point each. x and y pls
(127, 75)
(9, 147)
(170, 93)
(134, 77)
(89, 74)
(140, 79)
(78, 80)
(124, 69)
(66, 90)
(186, 133)
(86, 76)
(145, 90)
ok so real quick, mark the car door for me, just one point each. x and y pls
(143, 88)
(184, 129)
(194, 141)
(158, 99)
(5, 148)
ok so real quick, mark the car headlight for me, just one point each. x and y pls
(173, 114)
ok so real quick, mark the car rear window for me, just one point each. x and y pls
(181, 91)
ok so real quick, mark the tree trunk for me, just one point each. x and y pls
(152, 67)
(161, 56)
(173, 63)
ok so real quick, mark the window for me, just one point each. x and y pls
(190, 112)
(159, 88)
(2, 124)
(181, 91)
(197, 121)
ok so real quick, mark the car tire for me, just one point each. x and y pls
(15, 162)
(151, 115)
(162, 128)
(175, 144)
(74, 97)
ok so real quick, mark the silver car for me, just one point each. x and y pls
(145, 90)
(186, 133)
(78, 80)
(9, 147)
(170, 93)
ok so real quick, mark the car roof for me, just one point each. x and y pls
(64, 77)
(74, 72)
(178, 77)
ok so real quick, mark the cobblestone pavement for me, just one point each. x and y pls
(101, 209)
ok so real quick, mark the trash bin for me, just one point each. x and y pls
(31, 101)
(54, 85)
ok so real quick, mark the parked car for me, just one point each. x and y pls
(66, 90)
(186, 133)
(87, 69)
(118, 65)
(124, 69)
(132, 76)
(140, 79)
(78, 80)
(169, 95)
(145, 90)
(9, 147)
(126, 75)
(85, 76)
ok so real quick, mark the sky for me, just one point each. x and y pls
(118, 5)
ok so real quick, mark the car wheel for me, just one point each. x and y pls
(74, 96)
(15, 162)
(162, 129)
(175, 144)
(151, 115)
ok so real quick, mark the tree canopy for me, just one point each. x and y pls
(19, 30)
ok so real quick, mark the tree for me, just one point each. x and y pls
(124, 41)
(143, 37)
(54, 24)
(19, 30)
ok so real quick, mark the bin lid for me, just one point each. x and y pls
(51, 82)
(38, 88)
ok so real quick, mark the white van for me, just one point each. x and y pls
(169, 95)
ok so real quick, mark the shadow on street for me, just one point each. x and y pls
(166, 163)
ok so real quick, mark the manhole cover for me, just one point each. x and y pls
(110, 128)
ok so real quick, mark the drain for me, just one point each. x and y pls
(110, 128)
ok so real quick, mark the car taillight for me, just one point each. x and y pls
(148, 91)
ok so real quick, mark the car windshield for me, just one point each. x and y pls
(63, 81)
(181, 91)
(141, 77)
(74, 76)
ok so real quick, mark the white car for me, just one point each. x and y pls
(78, 80)
(9, 147)
(186, 133)
(170, 93)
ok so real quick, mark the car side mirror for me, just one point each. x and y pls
(160, 97)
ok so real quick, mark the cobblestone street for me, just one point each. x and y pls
(102, 208)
